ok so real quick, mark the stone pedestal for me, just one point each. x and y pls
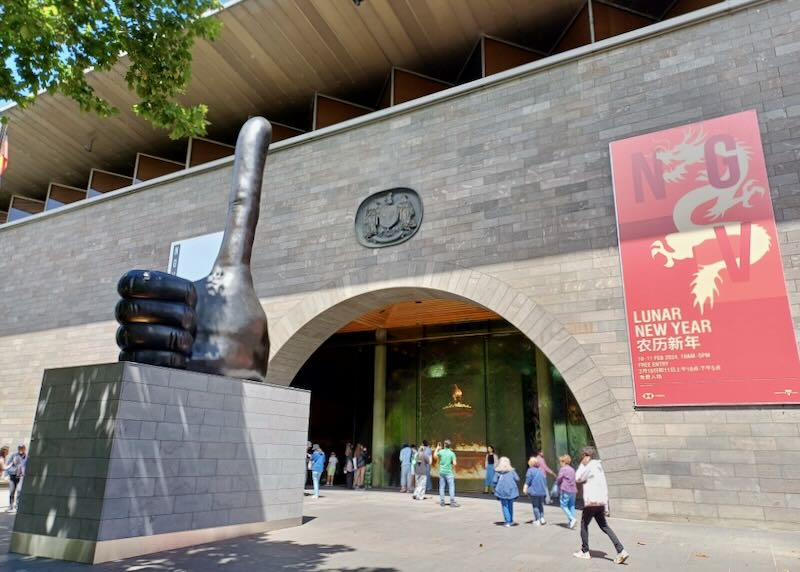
(129, 459)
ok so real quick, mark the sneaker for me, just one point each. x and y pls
(582, 555)
(621, 557)
(537, 523)
(454, 504)
(572, 524)
(441, 503)
(507, 525)
(543, 521)
(314, 496)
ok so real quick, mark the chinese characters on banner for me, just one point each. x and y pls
(708, 315)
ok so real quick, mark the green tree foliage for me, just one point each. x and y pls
(47, 45)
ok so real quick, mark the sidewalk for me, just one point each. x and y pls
(378, 531)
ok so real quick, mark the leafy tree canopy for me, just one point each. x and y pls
(49, 45)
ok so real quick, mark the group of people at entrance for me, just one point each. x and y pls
(491, 460)
(590, 473)
(356, 466)
(415, 470)
(501, 479)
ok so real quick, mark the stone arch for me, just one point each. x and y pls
(320, 314)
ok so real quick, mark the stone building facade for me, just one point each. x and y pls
(519, 217)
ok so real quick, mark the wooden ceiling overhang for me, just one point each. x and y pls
(271, 58)
(414, 313)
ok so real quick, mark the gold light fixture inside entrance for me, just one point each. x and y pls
(456, 407)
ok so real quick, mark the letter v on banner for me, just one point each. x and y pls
(697, 237)
(738, 272)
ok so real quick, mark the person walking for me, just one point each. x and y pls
(489, 465)
(568, 489)
(3, 463)
(309, 450)
(422, 468)
(366, 478)
(546, 470)
(16, 474)
(349, 466)
(3, 460)
(447, 464)
(317, 466)
(405, 466)
(595, 497)
(505, 483)
(411, 474)
(536, 488)
(360, 460)
(429, 454)
(332, 462)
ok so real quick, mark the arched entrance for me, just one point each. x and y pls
(319, 315)
(433, 370)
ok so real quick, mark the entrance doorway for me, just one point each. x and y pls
(447, 370)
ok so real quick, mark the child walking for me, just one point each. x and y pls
(569, 490)
(595, 498)
(332, 462)
(506, 489)
(536, 488)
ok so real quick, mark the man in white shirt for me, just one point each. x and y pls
(595, 497)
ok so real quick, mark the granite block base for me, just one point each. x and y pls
(129, 459)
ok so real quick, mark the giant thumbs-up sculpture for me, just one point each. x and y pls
(216, 324)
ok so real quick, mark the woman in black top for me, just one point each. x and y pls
(489, 464)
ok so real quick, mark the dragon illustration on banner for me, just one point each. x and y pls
(710, 204)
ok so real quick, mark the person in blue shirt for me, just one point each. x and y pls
(536, 488)
(405, 466)
(317, 466)
(506, 488)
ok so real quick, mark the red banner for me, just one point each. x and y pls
(708, 315)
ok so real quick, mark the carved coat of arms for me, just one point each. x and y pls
(388, 217)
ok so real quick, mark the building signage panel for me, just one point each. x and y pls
(193, 258)
(708, 315)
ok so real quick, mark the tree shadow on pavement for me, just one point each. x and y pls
(246, 554)
(6, 526)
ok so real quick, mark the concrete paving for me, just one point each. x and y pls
(380, 531)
